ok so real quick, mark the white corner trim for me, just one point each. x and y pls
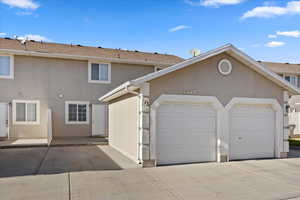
(67, 112)
(258, 101)
(14, 112)
(90, 72)
(11, 67)
(184, 99)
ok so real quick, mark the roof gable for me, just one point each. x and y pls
(229, 49)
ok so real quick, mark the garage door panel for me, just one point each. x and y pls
(186, 133)
(252, 132)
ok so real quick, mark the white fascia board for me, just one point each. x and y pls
(114, 91)
(231, 50)
(119, 91)
(264, 71)
(78, 57)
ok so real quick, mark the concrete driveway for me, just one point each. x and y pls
(263, 179)
(93, 174)
(55, 160)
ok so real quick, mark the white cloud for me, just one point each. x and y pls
(295, 34)
(178, 28)
(24, 4)
(272, 36)
(292, 7)
(275, 44)
(34, 37)
(213, 3)
(2, 34)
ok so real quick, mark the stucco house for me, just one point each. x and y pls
(155, 108)
(219, 106)
(38, 78)
(291, 73)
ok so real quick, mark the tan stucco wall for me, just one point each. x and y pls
(44, 78)
(123, 126)
(203, 78)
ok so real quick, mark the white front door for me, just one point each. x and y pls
(252, 132)
(99, 120)
(186, 133)
(3, 120)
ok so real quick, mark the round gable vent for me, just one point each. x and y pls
(225, 67)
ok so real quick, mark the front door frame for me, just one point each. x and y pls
(7, 117)
(105, 119)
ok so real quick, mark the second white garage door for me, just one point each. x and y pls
(252, 132)
(186, 133)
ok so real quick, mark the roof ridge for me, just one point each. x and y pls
(94, 47)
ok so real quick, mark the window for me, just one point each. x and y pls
(292, 79)
(77, 112)
(26, 112)
(6, 67)
(99, 72)
(225, 67)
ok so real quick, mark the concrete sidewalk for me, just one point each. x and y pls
(263, 179)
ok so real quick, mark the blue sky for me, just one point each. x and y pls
(266, 30)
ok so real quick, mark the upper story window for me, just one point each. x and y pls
(293, 79)
(77, 112)
(99, 72)
(6, 67)
(26, 112)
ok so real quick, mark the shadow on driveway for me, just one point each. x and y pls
(32, 161)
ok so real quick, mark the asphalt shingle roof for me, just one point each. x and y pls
(78, 50)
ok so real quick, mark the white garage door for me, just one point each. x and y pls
(252, 132)
(186, 133)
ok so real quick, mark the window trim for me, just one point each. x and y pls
(37, 122)
(225, 73)
(77, 102)
(11, 67)
(90, 72)
(291, 75)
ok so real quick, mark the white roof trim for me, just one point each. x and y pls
(115, 91)
(231, 50)
(79, 57)
(177, 66)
